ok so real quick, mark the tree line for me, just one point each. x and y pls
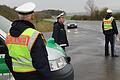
(11, 14)
(8, 12)
(96, 15)
(94, 12)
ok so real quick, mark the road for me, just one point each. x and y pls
(87, 52)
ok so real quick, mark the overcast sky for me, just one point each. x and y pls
(66, 5)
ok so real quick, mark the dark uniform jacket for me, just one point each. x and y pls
(38, 54)
(112, 31)
(59, 34)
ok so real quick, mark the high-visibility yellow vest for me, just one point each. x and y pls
(19, 50)
(108, 23)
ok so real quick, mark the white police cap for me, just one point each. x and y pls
(26, 8)
(62, 14)
(109, 11)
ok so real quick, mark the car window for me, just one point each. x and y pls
(3, 47)
(1, 41)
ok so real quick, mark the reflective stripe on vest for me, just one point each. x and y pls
(32, 40)
(19, 49)
(108, 23)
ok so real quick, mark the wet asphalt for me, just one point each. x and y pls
(87, 52)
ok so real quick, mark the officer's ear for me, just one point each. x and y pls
(33, 16)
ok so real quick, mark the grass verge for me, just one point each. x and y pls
(43, 25)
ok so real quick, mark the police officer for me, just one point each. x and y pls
(110, 31)
(27, 51)
(59, 32)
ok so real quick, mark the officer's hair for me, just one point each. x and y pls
(58, 19)
(24, 17)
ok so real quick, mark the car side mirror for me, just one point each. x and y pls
(68, 59)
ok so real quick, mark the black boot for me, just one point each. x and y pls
(114, 56)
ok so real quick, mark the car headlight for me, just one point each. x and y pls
(75, 24)
(57, 64)
(68, 25)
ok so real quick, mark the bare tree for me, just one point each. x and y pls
(90, 7)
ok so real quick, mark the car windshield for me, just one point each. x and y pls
(5, 24)
(72, 24)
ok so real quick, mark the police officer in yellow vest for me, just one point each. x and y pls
(27, 51)
(110, 31)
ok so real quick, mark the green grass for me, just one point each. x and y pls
(43, 25)
(68, 17)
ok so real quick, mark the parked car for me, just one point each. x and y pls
(59, 62)
(71, 25)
